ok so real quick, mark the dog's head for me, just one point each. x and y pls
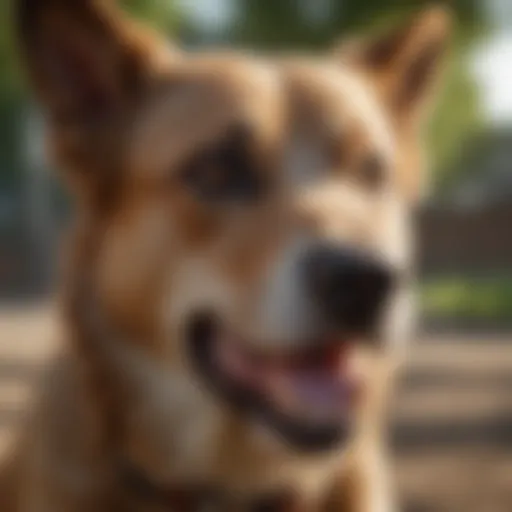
(252, 215)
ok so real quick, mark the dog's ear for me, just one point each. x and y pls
(85, 59)
(405, 63)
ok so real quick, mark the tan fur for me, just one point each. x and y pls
(145, 253)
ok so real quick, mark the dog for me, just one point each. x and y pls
(237, 288)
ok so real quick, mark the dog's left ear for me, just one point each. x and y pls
(85, 59)
(90, 66)
(405, 63)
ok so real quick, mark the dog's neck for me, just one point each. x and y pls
(196, 499)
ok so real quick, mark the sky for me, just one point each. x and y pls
(209, 14)
(491, 62)
(493, 70)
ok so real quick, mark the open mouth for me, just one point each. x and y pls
(307, 397)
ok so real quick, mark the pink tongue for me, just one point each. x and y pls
(317, 386)
(317, 389)
(321, 389)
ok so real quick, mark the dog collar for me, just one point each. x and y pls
(199, 498)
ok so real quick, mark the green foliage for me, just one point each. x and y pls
(9, 69)
(11, 99)
(457, 119)
(162, 14)
(469, 298)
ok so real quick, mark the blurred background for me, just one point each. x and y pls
(453, 418)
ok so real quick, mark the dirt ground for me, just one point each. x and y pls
(452, 434)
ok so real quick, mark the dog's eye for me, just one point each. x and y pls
(373, 172)
(225, 172)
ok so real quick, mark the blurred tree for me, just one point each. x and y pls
(10, 96)
(163, 14)
(8, 76)
(314, 24)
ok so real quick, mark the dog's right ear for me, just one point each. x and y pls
(84, 58)
(406, 62)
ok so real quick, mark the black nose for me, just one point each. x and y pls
(350, 287)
